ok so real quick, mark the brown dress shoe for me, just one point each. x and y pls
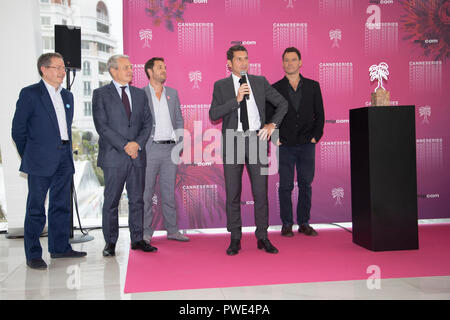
(286, 231)
(307, 230)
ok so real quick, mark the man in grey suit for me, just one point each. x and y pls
(123, 122)
(167, 131)
(240, 101)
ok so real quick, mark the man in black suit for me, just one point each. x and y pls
(244, 122)
(300, 130)
(123, 121)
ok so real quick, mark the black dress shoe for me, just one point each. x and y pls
(286, 231)
(68, 254)
(266, 245)
(38, 264)
(307, 230)
(234, 247)
(144, 246)
(109, 250)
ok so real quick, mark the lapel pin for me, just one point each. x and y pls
(68, 106)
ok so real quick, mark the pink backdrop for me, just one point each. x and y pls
(339, 41)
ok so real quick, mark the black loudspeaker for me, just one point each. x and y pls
(68, 44)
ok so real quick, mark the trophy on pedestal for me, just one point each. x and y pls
(381, 97)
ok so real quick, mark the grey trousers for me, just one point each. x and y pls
(160, 164)
(233, 171)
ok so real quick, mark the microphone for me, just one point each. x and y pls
(242, 81)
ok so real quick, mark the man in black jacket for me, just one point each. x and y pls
(300, 130)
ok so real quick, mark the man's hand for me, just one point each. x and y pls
(243, 90)
(266, 131)
(132, 149)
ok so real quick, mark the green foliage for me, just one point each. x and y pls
(86, 149)
(2, 215)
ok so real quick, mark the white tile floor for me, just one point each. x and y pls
(96, 277)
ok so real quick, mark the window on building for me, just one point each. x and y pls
(87, 108)
(103, 28)
(103, 47)
(87, 88)
(86, 68)
(48, 43)
(102, 67)
(46, 21)
(85, 44)
(102, 11)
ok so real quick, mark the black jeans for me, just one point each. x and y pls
(302, 157)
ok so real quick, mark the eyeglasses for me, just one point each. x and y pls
(59, 68)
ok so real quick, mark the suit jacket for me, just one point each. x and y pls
(299, 127)
(35, 129)
(225, 106)
(174, 109)
(114, 128)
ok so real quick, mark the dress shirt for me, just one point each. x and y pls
(58, 104)
(254, 121)
(164, 129)
(127, 90)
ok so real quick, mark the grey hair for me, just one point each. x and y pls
(45, 60)
(112, 61)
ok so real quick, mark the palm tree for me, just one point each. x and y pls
(335, 35)
(425, 112)
(145, 34)
(195, 76)
(337, 194)
(379, 72)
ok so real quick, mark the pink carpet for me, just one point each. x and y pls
(332, 256)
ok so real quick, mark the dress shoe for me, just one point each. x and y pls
(144, 246)
(307, 230)
(178, 237)
(234, 247)
(68, 254)
(266, 245)
(109, 250)
(286, 231)
(37, 264)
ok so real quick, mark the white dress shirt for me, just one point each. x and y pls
(254, 122)
(58, 104)
(164, 129)
(127, 90)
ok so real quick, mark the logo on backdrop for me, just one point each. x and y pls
(429, 153)
(196, 77)
(146, 35)
(290, 3)
(334, 155)
(335, 7)
(335, 36)
(426, 25)
(338, 194)
(336, 77)
(243, 7)
(380, 37)
(196, 38)
(425, 76)
(425, 114)
(290, 35)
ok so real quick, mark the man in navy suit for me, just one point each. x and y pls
(41, 129)
(123, 121)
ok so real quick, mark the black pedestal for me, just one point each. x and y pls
(383, 178)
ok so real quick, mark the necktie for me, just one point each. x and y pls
(126, 102)
(244, 115)
(243, 111)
